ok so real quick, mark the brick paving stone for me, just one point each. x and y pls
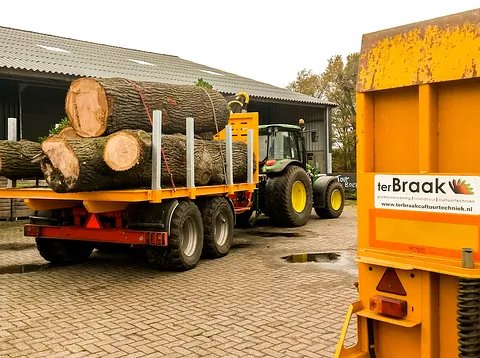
(250, 303)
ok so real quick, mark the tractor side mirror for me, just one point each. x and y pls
(314, 136)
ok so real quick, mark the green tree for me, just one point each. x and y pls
(64, 122)
(336, 84)
(307, 83)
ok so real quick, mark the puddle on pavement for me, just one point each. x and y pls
(275, 234)
(22, 268)
(339, 260)
(313, 257)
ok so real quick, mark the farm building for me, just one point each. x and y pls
(36, 70)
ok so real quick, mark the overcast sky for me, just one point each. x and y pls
(269, 41)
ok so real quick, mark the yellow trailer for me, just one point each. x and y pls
(176, 225)
(418, 128)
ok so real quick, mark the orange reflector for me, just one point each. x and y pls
(93, 222)
(388, 306)
(270, 162)
(29, 230)
(390, 283)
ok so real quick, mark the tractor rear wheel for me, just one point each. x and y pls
(334, 201)
(289, 197)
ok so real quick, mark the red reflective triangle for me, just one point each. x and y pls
(390, 283)
(93, 222)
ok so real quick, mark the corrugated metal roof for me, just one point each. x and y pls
(33, 51)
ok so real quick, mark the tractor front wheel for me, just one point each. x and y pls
(334, 201)
(289, 197)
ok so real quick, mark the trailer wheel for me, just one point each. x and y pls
(185, 242)
(243, 220)
(113, 248)
(334, 201)
(218, 227)
(290, 197)
(64, 252)
(56, 251)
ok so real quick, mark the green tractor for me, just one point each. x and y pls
(289, 187)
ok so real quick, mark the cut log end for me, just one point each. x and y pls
(86, 106)
(122, 151)
(68, 132)
(62, 157)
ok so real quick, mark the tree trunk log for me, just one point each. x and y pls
(74, 165)
(103, 106)
(131, 152)
(16, 157)
(123, 160)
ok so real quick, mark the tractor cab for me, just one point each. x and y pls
(281, 145)
(287, 190)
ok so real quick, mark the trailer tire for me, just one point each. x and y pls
(290, 197)
(56, 251)
(185, 242)
(218, 225)
(113, 248)
(334, 201)
(64, 252)
(243, 220)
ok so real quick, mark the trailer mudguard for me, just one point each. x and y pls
(320, 188)
(152, 215)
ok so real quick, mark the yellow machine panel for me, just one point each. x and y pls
(418, 180)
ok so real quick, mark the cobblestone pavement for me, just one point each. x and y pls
(251, 303)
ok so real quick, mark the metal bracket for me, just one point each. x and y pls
(250, 156)
(190, 153)
(156, 150)
(228, 141)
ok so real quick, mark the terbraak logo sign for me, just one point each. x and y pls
(431, 193)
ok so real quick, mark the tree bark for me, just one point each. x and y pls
(103, 106)
(131, 152)
(16, 157)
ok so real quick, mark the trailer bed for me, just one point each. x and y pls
(129, 195)
(43, 198)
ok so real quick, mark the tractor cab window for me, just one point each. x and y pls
(263, 147)
(283, 145)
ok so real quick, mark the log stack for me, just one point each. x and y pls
(108, 144)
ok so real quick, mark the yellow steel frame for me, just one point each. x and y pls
(417, 95)
(104, 201)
